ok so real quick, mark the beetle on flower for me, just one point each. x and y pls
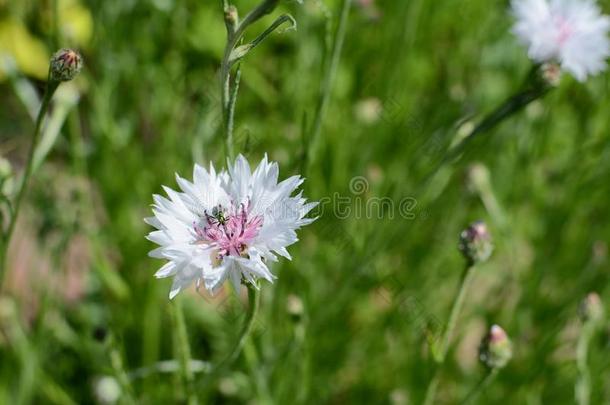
(227, 225)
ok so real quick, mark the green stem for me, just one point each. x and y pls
(184, 353)
(583, 385)
(254, 296)
(458, 303)
(328, 81)
(432, 386)
(480, 387)
(228, 97)
(530, 91)
(46, 99)
(20, 345)
(253, 305)
(116, 360)
(169, 367)
(225, 96)
(231, 115)
(509, 107)
(55, 21)
(253, 364)
(225, 84)
(457, 308)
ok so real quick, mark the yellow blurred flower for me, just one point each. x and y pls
(75, 22)
(28, 53)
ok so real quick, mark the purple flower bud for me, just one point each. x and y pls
(496, 349)
(475, 243)
(65, 65)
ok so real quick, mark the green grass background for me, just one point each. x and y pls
(409, 80)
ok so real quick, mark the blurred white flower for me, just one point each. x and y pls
(570, 32)
(226, 225)
(106, 390)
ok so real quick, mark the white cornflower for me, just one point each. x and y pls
(226, 225)
(570, 32)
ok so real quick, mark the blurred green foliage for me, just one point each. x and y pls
(81, 292)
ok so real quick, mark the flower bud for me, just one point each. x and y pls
(231, 17)
(106, 390)
(478, 177)
(475, 243)
(294, 306)
(65, 65)
(551, 74)
(591, 308)
(496, 349)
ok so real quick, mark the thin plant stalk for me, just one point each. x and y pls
(116, 361)
(169, 367)
(24, 350)
(252, 361)
(509, 107)
(480, 387)
(456, 309)
(46, 100)
(254, 296)
(432, 386)
(185, 362)
(533, 89)
(56, 37)
(184, 353)
(244, 334)
(227, 112)
(583, 385)
(327, 82)
(228, 91)
(230, 125)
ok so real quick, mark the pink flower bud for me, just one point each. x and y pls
(65, 65)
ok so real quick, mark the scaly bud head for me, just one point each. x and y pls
(65, 65)
(591, 308)
(475, 243)
(496, 349)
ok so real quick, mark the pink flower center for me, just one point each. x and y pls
(564, 30)
(230, 234)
